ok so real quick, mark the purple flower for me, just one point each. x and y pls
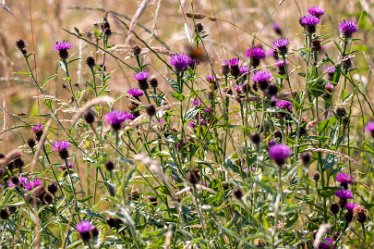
(63, 166)
(62, 45)
(234, 62)
(330, 69)
(350, 206)
(281, 44)
(348, 27)
(262, 75)
(256, 52)
(210, 78)
(37, 128)
(284, 105)
(327, 243)
(32, 184)
(329, 87)
(180, 62)
(116, 118)
(309, 23)
(281, 63)
(60, 145)
(279, 153)
(244, 70)
(238, 88)
(343, 178)
(316, 11)
(277, 29)
(208, 110)
(192, 124)
(369, 128)
(135, 92)
(195, 101)
(344, 194)
(142, 75)
(84, 226)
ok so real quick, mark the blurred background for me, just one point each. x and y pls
(231, 26)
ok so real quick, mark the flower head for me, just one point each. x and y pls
(348, 27)
(344, 194)
(281, 44)
(142, 75)
(63, 166)
(244, 69)
(279, 153)
(180, 62)
(62, 45)
(261, 76)
(281, 63)
(234, 62)
(370, 128)
(60, 145)
(309, 23)
(343, 178)
(210, 78)
(350, 206)
(256, 52)
(327, 243)
(116, 118)
(284, 105)
(135, 92)
(316, 11)
(86, 230)
(37, 128)
(32, 184)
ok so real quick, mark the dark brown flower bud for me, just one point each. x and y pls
(194, 176)
(90, 61)
(52, 188)
(341, 112)
(31, 143)
(136, 50)
(316, 176)
(150, 110)
(153, 82)
(334, 208)
(305, 158)
(256, 138)
(238, 193)
(109, 166)
(89, 117)
(4, 214)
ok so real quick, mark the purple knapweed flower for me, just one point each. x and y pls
(38, 131)
(262, 79)
(234, 62)
(279, 153)
(343, 178)
(316, 11)
(344, 194)
(116, 118)
(281, 65)
(277, 29)
(142, 75)
(309, 23)
(180, 62)
(32, 184)
(350, 206)
(210, 78)
(369, 128)
(281, 44)
(244, 70)
(329, 87)
(348, 27)
(192, 124)
(60, 145)
(327, 243)
(135, 92)
(284, 105)
(255, 54)
(234, 67)
(86, 230)
(62, 47)
(195, 101)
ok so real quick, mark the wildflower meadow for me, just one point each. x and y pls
(187, 124)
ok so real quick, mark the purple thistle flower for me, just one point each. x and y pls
(284, 105)
(180, 62)
(316, 11)
(142, 75)
(256, 52)
(279, 153)
(135, 92)
(63, 166)
(343, 178)
(116, 118)
(281, 44)
(261, 76)
(192, 124)
(244, 70)
(195, 101)
(84, 226)
(210, 78)
(86, 230)
(62, 45)
(37, 128)
(32, 184)
(344, 194)
(369, 128)
(60, 145)
(327, 243)
(350, 206)
(281, 63)
(234, 62)
(348, 27)
(309, 23)
(208, 110)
